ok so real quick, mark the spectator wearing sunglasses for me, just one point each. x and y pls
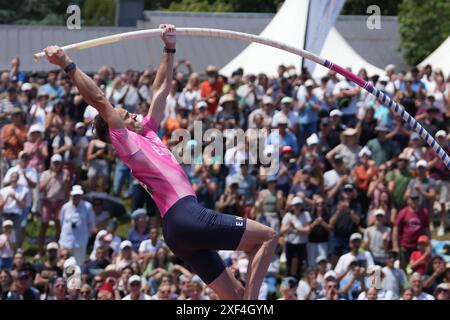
(135, 285)
(442, 292)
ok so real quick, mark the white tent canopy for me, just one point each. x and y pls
(289, 27)
(338, 51)
(440, 58)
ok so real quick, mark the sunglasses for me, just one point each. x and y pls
(85, 292)
(164, 292)
(60, 286)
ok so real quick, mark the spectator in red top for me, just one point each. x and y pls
(211, 89)
(419, 259)
(440, 173)
(412, 222)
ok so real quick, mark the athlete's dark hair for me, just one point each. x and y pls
(101, 129)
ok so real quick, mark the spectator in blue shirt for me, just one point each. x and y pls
(283, 136)
(140, 230)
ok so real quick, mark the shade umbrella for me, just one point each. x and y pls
(113, 205)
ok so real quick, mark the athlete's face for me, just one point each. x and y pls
(130, 120)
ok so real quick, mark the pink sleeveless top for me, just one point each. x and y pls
(152, 164)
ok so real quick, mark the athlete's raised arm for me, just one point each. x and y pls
(92, 94)
(163, 81)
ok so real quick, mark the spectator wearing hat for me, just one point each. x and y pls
(77, 222)
(283, 136)
(394, 279)
(308, 109)
(104, 239)
(14, 136)
(125, 256)
(229, 110)
(335, 178)
(22, 288)
(337, 127)
(295, 227)
(415, 150)
(8, 104)
(383, 150)
(348, 148)
(411, 222)
(288, 167)
(353, 281)
(331, 288)
(135, 285)
(377, 238)
(57, 289)
(362, 175)
(416, 284)
(13, 200)
(54, 184)
(286, 111)
(440, 173)
(288, 289)
(398, 180)
(211, 89)
(442, 292)
(421, 257)
(49, 269)
(140, 228)
(7, 245)
(263, 115)
(36, 147)
(425, 186)
(106, 291)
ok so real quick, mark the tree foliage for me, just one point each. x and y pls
(424, 25)
(99, 12)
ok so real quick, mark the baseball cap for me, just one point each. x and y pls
(77, 190)
(226, 98)
(211, 68)
(138, 213)
(336, 112)
(355, 236)
(423, 239)
(36, 128)
(56, 158)
(283, 120)
(349, 186)
(7, 223)
(26, 86)
(134, 278)
(379, 212)
(441, 133)
(125, 243)
(365, 151)
(330, 274)
(23, 274)
(325, 120)
(267, 100)
(350, 132)
(271, 179)
(320, 259)
(286, 100)
(382, 128)
(422, 163)
(443, 286)
(79, 125)
(309, 83)
(390, 67)
(201, 104)
(338, 157)
(312, 139)
(296, 200)
(287, 149)
(383, 79)
(289, 281)
(52, 246)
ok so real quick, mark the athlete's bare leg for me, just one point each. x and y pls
(259, 242)
(227, 286)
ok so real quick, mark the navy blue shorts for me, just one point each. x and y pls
(194, 233)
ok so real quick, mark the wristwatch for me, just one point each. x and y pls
(70, 67)
(170, 50)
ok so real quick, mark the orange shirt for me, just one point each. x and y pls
(13, 138)
(364, 177)
(206, 89)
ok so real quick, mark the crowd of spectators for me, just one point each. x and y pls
(356, 200)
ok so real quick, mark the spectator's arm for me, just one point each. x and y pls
(356, 219)
(367, 240)
(395, 238)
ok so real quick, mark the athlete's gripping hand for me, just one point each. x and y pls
(57, 56)
(168, 35)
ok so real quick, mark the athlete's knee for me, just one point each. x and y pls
(272, 235)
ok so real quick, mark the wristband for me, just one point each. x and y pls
(70, 67)
(170, 50)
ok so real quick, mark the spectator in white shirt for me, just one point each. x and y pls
(135, 285)
(416, 284)
(7, 245)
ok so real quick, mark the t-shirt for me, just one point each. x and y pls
(394, 280)
(411, 225)
(415, 256)
(319, 234)
(148, 247)
(381, 151)
(427, 184)
(376, 245)
(7, 251)
(153, 164)
(363, 257)
(142, 296)
(11, 205)
(30, 173)
(54, 189)
(298, 221)
(401, 179)
(349, 156)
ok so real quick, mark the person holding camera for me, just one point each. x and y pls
(77, 221)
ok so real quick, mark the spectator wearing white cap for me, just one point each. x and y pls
(283, 136)
(54, 185)
(135, 286)
(364, 259)
(7, 245)
(348, 148)
(440, 173)
(287, 111)
(125, 256)
(442, 291)
(377, 238)
(295, 227)
(77, 222)
(49, 269)
(424, 185)
(13, 200)
(36, 147)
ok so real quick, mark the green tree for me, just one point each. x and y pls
(217, 5)
(424, 25)
(99, 12)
